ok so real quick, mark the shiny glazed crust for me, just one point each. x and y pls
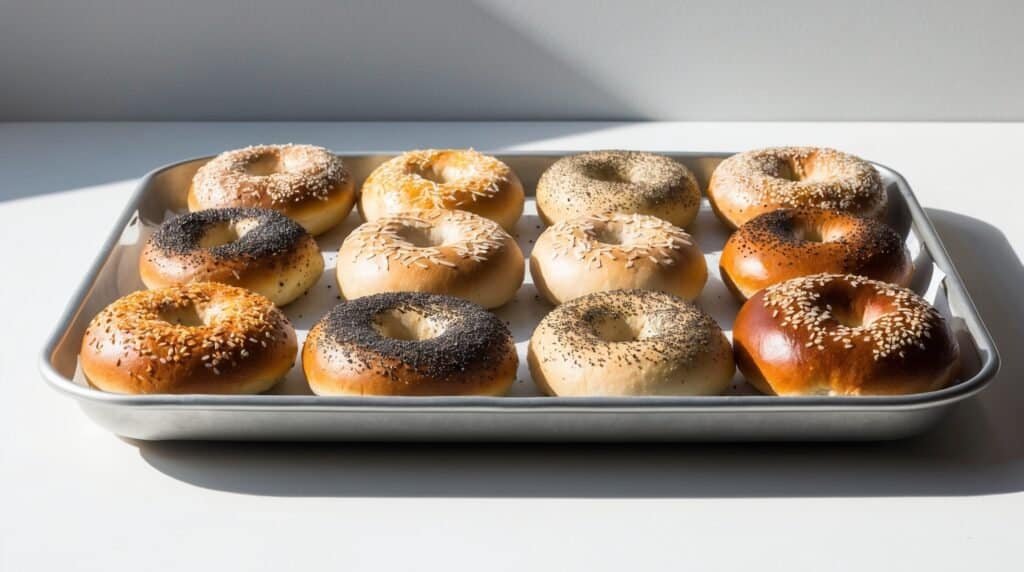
(572, 258)
(265, 252)
(618, 181)
(831, 334)
(305, 183)
(788, 243)
(755, 182)
(198, 338)
(466, 256)
(629, 343)
(450, 179)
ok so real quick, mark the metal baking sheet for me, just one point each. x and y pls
(292, 412)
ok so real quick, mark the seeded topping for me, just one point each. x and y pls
(236, 325)
(670, 330)
(807, 304)
(803, 176)
(469, 338)
(618, 181)
(296, 173)
(855, 241)
(438, 178)
(466, 236)
(272, 233)
(641, 239)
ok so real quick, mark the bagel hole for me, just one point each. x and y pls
(606, 173)
(620, 329)
(421, 237)
(187, 315)
(789, 171)
(846, 312)
(226, 233)
(263, 165)
(610, 234)
(432, 174)
(808, 233)
(409, 326)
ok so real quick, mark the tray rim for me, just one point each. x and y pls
(526, 404)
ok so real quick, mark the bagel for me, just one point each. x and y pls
(258, 249)
(308, 184)
(197, 338)
(788, 243)
(450, 179)
(409, 343)
(629, 343)
(629, 182)
(755, 182)
(616, 252)
(436, 251)
(836, 334)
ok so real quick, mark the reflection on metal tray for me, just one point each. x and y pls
(291, 412)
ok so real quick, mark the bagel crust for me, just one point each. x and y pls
(629, 343)
(409, 343)
(755, 182)
(197, 338)
(618, 181)
(618, 251)
(832, 334)
(306, 183)
(449, 179)
(788, 243)
(258, 249)
(436, 251)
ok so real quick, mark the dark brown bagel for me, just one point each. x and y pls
(832, 334)
(789, 243)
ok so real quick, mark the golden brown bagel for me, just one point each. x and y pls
(629, 342)
(409, 343)
(616, 252)
(787, 243)
(618, 181)
(258, 249)
(461, 179)
(308, 184)
(197, 338)
(755, 182)
(437, 251)
(832, 334)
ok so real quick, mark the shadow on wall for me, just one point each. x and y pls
(311, 59)
(93, 154)
(976, 450)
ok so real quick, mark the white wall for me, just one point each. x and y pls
(511, 59)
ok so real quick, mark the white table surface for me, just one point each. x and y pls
(74, 497)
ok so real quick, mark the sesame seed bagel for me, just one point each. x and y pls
(258, 249)
(618, 181)
(832, 334)
(461, 179)
(788, 243)
(437, 251)
(197, 338)
(306, 183)
(755, 182)
(409, 343)
(617, 251)
(629, 342)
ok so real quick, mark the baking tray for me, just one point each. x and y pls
(291, 412)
